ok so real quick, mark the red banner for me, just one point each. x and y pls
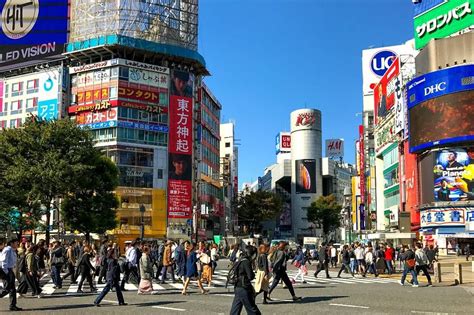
(138, 94)
(362, 163)
(410, 178)
(96, 116)
(180, 149)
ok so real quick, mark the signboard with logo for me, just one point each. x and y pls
(142, 126)
(1, 96)
(48, 108)
(96, 116)
(139, 94)
(180, 148)
(145, 77)
(376, 61)
(283, 142)
(409, 176)
(385, 135)
(454, 175)
(443, 20)
(31, 30)
(385, 91)
(448, 216)
(101, 125)
(438, 105)
(362, 162)
(305, 176)
(335, 148)
(308, 119)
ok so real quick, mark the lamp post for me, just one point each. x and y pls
(142, 222)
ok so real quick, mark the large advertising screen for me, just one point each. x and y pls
(454, 174)
(31, 30)
(441, 107)
(306, 176)
(442, 21)
(386, 90)
(180, 145)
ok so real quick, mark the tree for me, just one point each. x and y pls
(91, 207)
(255, 207)
(43, 162)
(325, 213)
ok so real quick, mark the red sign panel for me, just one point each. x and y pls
(87, 97)
(98, 106)
(384, 96)
(286, 142)
(96, 116)
(410, 179)
(362, 163)
(180, 148)
(138, 94)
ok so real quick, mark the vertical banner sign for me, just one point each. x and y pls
(180, 146)
(384, 92)
(399, 106)
(362, 163)
(1, 96)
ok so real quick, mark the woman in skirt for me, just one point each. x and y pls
(262, 277)
(146, 273)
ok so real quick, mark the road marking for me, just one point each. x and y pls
(170, 308)
(432, 313)
(348, 305)
(228, 295)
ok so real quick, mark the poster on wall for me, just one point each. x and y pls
(180, 145)
(385, 91)
(305, 176)
(454, 175)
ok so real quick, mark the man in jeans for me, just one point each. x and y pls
(422, 262)
(8, 259)
(408, 256)
(388, 257)
(57, 261)
(346, 260)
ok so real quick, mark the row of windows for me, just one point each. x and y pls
(142, 115)
(211, 190)
(391, 178)
(209, 138)
(209, 155)
(14, 123)
(210, 122)
(142, 136)
(132, 158)
(393, 199)
(209, 103)
(136, 177)
(17, 88)
(209, 171)
(17, 105)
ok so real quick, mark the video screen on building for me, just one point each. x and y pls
(445, 119)
(454, 174)
(305, 176)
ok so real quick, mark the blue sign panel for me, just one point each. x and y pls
(438, 83)
(423, 6)
(143, 126)
(48, 109)
(100, 125)
(31, 30)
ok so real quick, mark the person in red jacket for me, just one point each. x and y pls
(389, 255)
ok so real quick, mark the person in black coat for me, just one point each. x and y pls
(346, 260)
(244, 291)
(112, 278)
(85, 268)
(323, 261)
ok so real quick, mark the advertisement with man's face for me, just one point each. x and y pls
(305, 176)
(454, 175)
(385, 91)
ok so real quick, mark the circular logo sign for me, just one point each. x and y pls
(19, 17)
(381, 61)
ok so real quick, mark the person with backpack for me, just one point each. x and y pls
(422, 262)
(112, 279)
(408, 256)
(278, 262)
(243, 289)
(8, 262)
(57, 262)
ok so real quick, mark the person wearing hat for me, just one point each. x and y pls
(180, 84)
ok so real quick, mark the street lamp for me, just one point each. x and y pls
(142, 223)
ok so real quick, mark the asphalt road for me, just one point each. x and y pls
(331, 296)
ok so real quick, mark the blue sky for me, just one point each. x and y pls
(270, 57)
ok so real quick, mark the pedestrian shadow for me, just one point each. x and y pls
(310, 299)
(59, 307)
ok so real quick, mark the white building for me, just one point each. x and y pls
(229, 169)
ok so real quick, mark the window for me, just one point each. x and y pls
(32, 86)
(3, 124)
(114, 72)
(227, 144)
(16, 107)
(15, 123)
(160, 174)
(123, 73)
(17, 88)
(32, 102)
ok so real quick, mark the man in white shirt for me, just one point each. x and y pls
(131, 265)
(360, 256)
(333, 256)
(8, 264)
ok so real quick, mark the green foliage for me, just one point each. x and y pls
(325, 213)
(255, 207)
(44, 161)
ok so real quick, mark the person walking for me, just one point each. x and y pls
(360, 257)
(180, 260)
(243, 289)
(57, 262)
(468, 251)
(370, 262)
(299, 261)
(146, 272)
(389, 256)
(279, 259)
(167, 263)
(346, 260)
(422, 262)
(85, 268)
(323, 261)
(333, 252)
(32, 271)
(262, 277)
(112, 279)
(408, 256)
(102, 261)
(191, 269)
(8, 259)
(71, 263)
(206, 264)
(131, 265)
(214, 257)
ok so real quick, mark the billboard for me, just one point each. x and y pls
(335, 148)
(440, 107)
(1, 96)
(31, 30)
(448, 216)
(362, 162)
(305, 176)
(376, 61)
(425, 5)
(442, 21)
(454, 174)
(48, 96)
(386, 90)
(283, 142)
(180, 145)
(97, 116)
